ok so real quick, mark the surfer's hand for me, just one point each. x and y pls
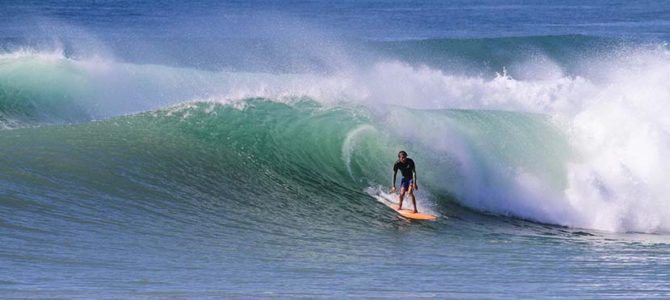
(393, 189)
(416, 187)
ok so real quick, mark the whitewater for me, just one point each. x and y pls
(240, 156)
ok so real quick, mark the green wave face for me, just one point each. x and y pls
(300, 157)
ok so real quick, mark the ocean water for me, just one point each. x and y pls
(234, 150)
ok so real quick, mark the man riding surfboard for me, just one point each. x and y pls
(408, 181)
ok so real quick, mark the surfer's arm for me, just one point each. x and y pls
(415, 185)
(395, 172)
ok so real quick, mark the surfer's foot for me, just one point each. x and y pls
(416, 211)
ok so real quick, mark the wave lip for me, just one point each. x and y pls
(39, 88)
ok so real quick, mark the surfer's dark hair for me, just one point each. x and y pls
(402, 153)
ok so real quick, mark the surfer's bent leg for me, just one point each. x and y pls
(411, 195)
(404, 185)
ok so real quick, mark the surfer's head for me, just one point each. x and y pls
(402, 155)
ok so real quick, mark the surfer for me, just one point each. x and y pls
(408, 182)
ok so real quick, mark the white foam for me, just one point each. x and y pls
(617, 125)
(422, 205)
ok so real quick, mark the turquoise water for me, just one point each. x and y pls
(234, 150)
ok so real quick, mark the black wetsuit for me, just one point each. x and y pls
(406, 168)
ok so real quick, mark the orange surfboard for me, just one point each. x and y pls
(406, 212)
(410, 214)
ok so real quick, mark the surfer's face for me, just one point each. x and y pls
(402, 158)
